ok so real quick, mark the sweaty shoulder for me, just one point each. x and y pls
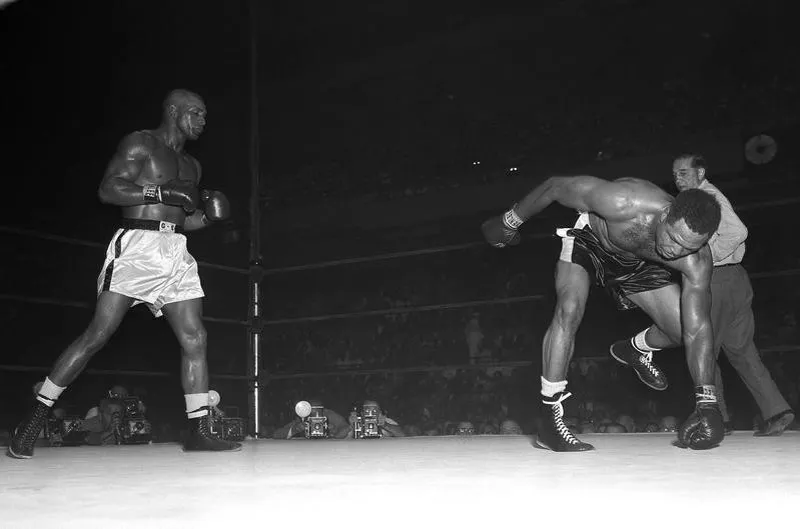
(137, 145)
(645, 191)
(639, 184)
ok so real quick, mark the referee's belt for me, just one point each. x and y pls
(151, 225)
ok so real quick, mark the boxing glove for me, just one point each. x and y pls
(704, 428)
(502, 231)
(181, 193)
(215, 205)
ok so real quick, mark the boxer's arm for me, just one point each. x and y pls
(196, 220)
(610, 200)
(118, 186)
(697, 331)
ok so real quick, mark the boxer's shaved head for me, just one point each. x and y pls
(186, 111)
(181, 98)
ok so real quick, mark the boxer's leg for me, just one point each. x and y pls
(637, 352)
(572, 292)
(185, 318)
(663, 305)
(109, 313)
(657, 339)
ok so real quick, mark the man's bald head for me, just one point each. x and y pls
(185, 111)
(181, 98)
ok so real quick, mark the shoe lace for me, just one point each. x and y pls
(33, 428)
(558, 419)
(646, 359)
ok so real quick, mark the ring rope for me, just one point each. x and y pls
(344, 372)
(47, 369)
(90, 306)
(92, 244)
(378, 312)
(352, 260)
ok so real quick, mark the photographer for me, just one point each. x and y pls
(386, 426)
(104, 423)
(338, 427)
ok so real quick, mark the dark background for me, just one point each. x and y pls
(378, 100)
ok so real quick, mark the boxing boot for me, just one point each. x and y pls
(553, 433)
(27, 432)
(201, 439)
(625, 352)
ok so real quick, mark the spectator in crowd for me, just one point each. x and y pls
(668, 423)
(627, 422)
(412, 430)
(587, 427)
(474, 337)
(614, 428)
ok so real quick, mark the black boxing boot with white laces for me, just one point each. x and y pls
(27, 432)
(553, 433)
(627, 353)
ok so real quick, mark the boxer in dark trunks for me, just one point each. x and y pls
(630, 237)
(155, 182)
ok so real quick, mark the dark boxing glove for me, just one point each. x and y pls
(181, 193)
(215, 205)
(502, 231)
(704, 428)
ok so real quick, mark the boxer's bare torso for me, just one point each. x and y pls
(159, 164)
(633, 233)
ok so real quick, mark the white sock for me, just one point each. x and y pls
(49, 392)
(551, 388)
(196, 405)
(640, 342)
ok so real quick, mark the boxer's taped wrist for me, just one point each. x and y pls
(705, 394)
(151, 193)
(512, 220)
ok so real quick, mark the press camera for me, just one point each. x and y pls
(367, 421)
(316, 424)
(227, 424)
(64, 431)
(130, 426)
